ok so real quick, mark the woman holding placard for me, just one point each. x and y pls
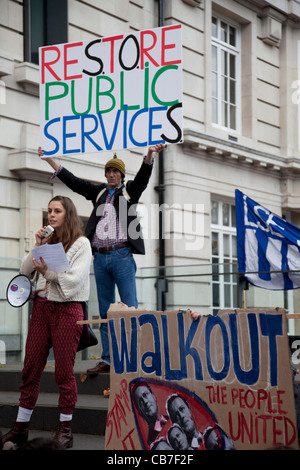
(57, 309)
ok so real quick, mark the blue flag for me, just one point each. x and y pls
(268, 246)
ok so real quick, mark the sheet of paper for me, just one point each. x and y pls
(53, 255)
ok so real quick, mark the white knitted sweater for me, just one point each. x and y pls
(71, 286)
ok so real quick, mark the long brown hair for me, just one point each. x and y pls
(72, 228)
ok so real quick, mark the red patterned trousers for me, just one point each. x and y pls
(52, 324)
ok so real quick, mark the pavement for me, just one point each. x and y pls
(81, 441)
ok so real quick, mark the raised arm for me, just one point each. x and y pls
(155, 148)
(78, 185)
(52, 162)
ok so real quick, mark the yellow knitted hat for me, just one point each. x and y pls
(115, 162)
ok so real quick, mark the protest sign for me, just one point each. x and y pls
(112, 93)
(220, 382)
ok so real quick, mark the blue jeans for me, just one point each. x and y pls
(117, 267)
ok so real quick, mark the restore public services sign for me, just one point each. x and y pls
(118, 92)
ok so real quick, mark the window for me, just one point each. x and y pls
(45, 23)
(225, 73)
(224, 255)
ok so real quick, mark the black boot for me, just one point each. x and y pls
(18, 434)
(64, 435)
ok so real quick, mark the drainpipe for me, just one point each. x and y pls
(162, 282)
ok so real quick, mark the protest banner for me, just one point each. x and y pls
(220, 382)
(118, 92)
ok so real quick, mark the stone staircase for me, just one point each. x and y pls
(91, 409)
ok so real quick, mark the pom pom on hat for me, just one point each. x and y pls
(115, 162)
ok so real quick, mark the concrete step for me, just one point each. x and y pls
(91, 408)
(89, 416)
(10, 378)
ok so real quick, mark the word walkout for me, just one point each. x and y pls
(128, 357)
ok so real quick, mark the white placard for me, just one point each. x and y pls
(112, 93)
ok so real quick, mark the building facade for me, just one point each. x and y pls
(241, 131)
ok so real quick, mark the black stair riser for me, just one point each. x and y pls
(92, 385)
(45, 418)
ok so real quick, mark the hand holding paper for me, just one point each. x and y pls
(53, 255)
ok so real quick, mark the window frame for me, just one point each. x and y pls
(55, 29)
(221, 47)
(219, 277)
